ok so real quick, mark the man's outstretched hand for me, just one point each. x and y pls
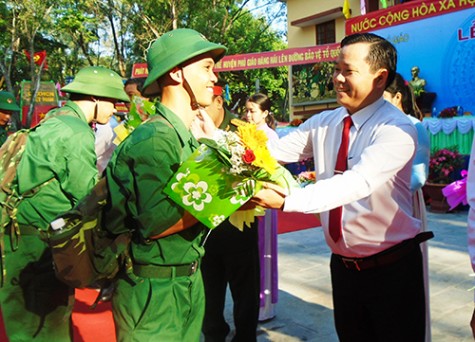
(270, 196)
(203, 126)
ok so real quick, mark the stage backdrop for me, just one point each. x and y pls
(439, 38)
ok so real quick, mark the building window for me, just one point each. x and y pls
(326, 32)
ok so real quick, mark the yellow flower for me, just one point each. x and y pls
(264, 159)
(251, 136)
(256, 140)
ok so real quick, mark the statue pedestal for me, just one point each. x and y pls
(425, 101)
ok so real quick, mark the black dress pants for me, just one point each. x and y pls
(231, 257)
(386, 303)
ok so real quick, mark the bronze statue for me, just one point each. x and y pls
(418, 84)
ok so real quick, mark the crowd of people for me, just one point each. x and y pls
(371, 160)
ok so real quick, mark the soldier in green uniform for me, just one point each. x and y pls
(162, 298)
(7, 107)
(60, 163)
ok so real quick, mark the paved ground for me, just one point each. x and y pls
(305, 311)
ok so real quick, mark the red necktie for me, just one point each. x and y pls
(341, 165)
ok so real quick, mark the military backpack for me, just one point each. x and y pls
(11, 153)
(84, 254)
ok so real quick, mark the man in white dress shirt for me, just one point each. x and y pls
(376, 263)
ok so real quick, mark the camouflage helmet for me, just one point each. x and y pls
(172, 49)
(97, 81)
(8, 102)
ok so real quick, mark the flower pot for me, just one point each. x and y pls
(438, 202)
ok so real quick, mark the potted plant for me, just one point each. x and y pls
(443, 165)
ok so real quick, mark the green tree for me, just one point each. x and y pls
(118, 33)
(28, 19)
(237, 28)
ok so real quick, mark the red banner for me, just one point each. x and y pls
(121, 107)
(272, 59)
(404, 13)
(269, 59)
(139, 70)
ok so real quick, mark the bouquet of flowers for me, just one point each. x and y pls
(139, 108)
(224, 173)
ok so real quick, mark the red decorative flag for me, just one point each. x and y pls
(38, 58)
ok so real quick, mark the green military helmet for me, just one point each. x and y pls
(97, 81)
(172, 49)
(8, 102)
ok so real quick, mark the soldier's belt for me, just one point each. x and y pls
(166, 271)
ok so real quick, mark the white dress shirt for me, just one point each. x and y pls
(375, 190)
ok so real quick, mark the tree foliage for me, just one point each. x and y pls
(118, 33)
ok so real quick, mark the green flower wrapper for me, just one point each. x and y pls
(137, 106)
(204, 186)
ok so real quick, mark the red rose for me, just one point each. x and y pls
(248, 156)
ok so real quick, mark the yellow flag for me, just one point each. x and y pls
(121, 133)
(346, 9)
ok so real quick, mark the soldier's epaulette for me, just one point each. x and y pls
(238, 122)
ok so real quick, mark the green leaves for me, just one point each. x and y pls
(223, 154)
(117, 34)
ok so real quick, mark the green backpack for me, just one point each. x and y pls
(84, 254)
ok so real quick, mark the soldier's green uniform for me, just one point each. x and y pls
(162, 297)
(136, 175)
(8, 106)
(60, 161)
(33, 300)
